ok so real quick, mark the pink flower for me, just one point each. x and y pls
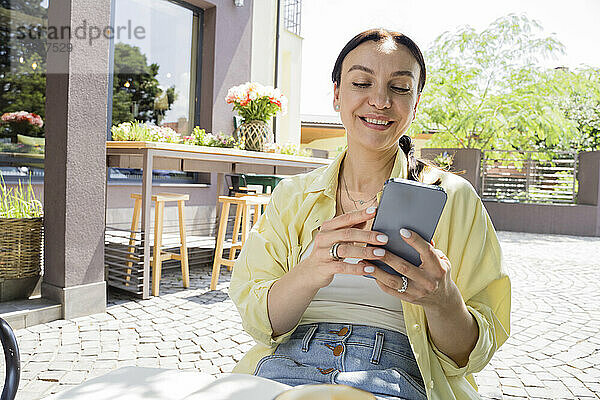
(23, 116)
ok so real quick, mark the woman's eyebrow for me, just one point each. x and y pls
(370, 71)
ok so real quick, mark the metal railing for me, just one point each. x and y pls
(529, 176)
(292, 13)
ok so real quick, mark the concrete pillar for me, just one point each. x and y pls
(468, 160)
(75, 165)
(588, 175)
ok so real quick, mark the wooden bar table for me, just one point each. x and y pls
(181, 157)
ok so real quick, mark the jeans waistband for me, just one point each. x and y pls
(351, 332)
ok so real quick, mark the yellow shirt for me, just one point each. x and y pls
(300, 204)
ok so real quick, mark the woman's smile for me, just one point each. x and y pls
(376, 122)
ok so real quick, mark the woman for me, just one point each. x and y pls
(299, 281)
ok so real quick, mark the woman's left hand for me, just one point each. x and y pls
(429, 284)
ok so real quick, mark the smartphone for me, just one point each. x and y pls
(412, 205)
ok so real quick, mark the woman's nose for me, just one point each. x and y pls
(380, 99)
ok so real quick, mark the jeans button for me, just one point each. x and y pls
(337, 350)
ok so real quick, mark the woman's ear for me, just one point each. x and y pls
(336, 97)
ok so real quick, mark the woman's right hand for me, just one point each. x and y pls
(319, 267)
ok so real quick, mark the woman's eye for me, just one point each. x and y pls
(401, 89)
(360, 85)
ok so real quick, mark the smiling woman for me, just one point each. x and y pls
(299, 282)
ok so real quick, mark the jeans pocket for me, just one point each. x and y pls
(410, 379)
(286, 370)
(385, 382)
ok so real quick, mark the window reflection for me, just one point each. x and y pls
(152, 69)
(23, 25)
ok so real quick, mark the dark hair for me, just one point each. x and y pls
(379, 35)
(415, 166)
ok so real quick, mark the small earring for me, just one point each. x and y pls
(337, 108)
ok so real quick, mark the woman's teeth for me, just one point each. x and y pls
(376, 121)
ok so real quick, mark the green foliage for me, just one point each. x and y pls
(140, 132)
(486, 91)
(444, 160)
(19, 202)
(22, 87)
(288, 148)
(581, 104)
(200, 137)
(136, 91)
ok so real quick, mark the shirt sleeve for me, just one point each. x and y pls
(262, 261)
(478, 273)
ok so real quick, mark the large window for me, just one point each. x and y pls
(155, 63)
(23, 27)
(156, 73)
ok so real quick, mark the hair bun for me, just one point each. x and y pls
(405, 143)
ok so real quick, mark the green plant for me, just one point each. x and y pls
(444, 160)
(19, 202)
(200, 137)
(130, 131)
(288, 148)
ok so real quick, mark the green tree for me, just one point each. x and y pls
(581, 104)
(136, 91)
(486, 91)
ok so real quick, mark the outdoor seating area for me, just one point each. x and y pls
(153, 151)
(198, 330)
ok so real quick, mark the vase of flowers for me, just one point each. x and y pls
(21, 123)
(256, 104)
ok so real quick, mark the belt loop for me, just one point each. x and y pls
(308, 336)
(377, 348)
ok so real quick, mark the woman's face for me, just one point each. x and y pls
(377, 97)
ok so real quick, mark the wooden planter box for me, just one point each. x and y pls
(20, 256)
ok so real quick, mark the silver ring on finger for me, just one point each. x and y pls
(404, 285)
(333, 251)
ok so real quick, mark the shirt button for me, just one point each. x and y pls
(417, 327)
(430, 385)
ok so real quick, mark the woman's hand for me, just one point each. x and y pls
(319, 267)
(429, 284)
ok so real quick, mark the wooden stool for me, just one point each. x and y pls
(243, 205)
(158, 255)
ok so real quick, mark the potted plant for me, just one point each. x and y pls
(256, 104)
(21, 229)
(21, 123)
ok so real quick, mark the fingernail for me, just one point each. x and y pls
(349, 260)
(371, 210)
(369, 269)
(382, 238)
(405, 232)
(379, 252)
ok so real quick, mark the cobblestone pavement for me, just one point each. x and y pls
(553, 352)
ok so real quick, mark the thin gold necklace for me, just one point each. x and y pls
(361, 202)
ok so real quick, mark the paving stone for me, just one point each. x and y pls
(73, 378)
(51, 376)
(553, 350)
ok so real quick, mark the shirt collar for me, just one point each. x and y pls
(327, 181)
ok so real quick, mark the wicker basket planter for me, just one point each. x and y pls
(20, 256)
(255, 134)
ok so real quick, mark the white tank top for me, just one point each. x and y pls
(356, 300)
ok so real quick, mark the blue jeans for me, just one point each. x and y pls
(377, 360)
